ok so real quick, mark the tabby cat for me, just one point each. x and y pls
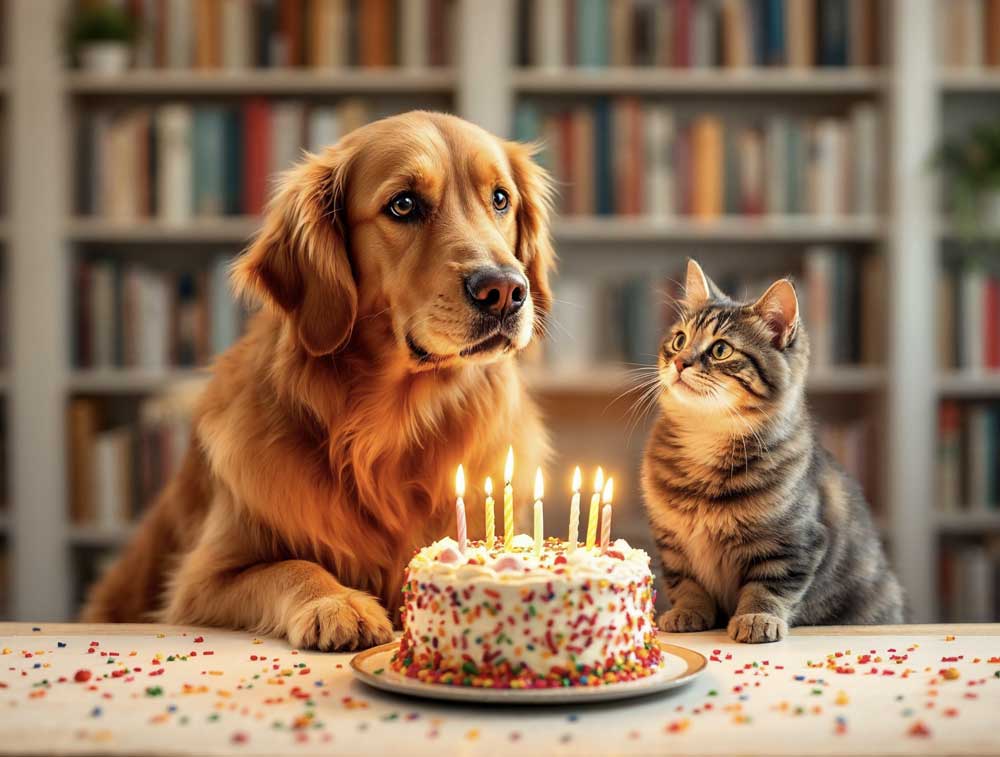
(755, 521)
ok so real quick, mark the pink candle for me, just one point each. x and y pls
(460, 509)
(605, 528)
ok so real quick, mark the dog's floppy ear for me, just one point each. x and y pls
(299, 263)
(534, 187)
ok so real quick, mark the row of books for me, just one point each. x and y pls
(698, 33)
(130, 315)
(968, 456)
(969, 317)
(115, 471)
(239, 34)
(970, 582)
(622, 320)
(176, 161)
(628, 157)
(968, 33)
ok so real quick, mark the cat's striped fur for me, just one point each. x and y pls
(756, 524)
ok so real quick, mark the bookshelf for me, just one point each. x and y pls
(748, 82)
(967, 517)
(269, 82)
(485, 84)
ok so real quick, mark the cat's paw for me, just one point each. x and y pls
(757, 628)
(682, 620)
(341, 622)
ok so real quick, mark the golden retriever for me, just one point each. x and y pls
(400, 272)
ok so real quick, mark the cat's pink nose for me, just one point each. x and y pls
(680, 365)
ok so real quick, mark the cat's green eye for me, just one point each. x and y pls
(720, 350)
(680, 339)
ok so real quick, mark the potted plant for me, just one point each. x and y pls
(971, 166)
(101, 37)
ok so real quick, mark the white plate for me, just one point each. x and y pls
(680, 666)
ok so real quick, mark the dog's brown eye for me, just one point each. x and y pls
(403, 205)
(501, 200)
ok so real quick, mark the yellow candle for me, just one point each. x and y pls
(574, 513)
(490, 526)
(508, 501)
(539, 524)
(606, 515)
(595, 508)
(460, 509)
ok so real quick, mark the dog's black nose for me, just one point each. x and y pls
(498, 291)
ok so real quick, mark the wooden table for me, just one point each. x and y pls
(169, 690)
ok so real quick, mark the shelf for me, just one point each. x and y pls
(607, 380)
(130, 381)
(98, 536)
(570, 229)
(969, 385)
(969, 80)
(235, 229)
(166, 82)
(749, 81)
(729, 229)
(972, 521)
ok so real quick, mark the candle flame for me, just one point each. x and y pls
(539, 484)
(489, 487)
(460, 481)
(577, 479)
(598, 479)
(508, 468)
(609, 490)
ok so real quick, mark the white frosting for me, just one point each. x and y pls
(559, 610)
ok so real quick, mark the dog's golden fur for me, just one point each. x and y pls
(325, 445)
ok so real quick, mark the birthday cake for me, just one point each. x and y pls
(515, 618)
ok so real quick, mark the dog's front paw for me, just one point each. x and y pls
(682, 620)
(339, 623)
(757, 628)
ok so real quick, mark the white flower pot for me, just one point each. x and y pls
(105, 58)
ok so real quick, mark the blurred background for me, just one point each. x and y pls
(853, 144)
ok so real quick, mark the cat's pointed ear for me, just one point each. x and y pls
(697, 288)
(779, 307)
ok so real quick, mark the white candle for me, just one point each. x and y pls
(490, 514)
(609, 489)
(574, 513)
(539, 516)
(595, 508)
(460, 509)
(508, 501)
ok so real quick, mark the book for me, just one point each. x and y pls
(949, 458)
(256, 159)
(236, 32)
(548, 33)
(592, 33)
(413, 22)
(706, 139)
(208, 144)
(174, 170)
(659, 162)
(376, 23)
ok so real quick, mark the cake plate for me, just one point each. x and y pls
(680, 667)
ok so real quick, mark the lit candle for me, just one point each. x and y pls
(460, 508)
(490, 526)
(508, 501)
(574, 513)
(539, 524)
(606, 515)
(595, 508)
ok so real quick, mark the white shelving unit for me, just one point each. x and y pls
(483, 87)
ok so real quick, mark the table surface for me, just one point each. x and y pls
(169, 690)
